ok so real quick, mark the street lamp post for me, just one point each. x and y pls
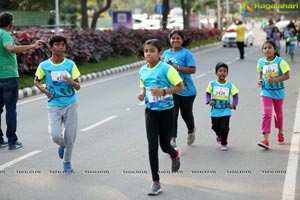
(56, 15)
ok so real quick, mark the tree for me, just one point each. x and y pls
(25, 5)
(99, 11)
(84, 15)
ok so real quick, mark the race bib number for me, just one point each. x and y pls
(220, 93)
(58, 77)
(152, 98)
(270, 71)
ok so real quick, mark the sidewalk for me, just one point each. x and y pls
(31, 91)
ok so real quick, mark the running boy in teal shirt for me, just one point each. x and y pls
(218, 96)
(61, 79)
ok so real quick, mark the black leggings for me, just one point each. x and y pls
(221, 127)
(185, 104)
(159, 128)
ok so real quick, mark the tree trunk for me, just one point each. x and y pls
(184, 14)
(165, 13)
(84, 19)
(98, 12)
(188, 14)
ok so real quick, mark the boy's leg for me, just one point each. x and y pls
(215, 125)
(224, 123)
(55, 125)
(70, 123)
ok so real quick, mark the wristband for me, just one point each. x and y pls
(164, 92)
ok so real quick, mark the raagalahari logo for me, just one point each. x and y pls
(246, 9)
(267, 6)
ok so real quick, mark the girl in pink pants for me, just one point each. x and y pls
(272, 71)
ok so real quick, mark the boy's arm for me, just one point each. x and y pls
(44, 90)
(75, 83)
(208, 97)
(235, 100)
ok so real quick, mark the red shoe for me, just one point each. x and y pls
(280, 138)
(264, 144)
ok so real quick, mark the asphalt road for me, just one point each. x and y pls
(110, 155)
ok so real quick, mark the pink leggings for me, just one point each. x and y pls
(267, 103)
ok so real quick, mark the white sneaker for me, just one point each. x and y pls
(191, 137)
(173, 142)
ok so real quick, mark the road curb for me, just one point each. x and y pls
(31, 91)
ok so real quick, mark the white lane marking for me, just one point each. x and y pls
(31, 100)
(10, 163)
(207, 50)
(234, 60)
(201, 75)
(108, 79)
(289, 187)
(99, 123)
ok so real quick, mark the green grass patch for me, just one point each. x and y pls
(26, 80)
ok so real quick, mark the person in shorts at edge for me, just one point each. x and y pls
(218, 96)
(158, 81)
(61, 76)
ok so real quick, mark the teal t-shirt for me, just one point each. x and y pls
(275, 68)
(221, 94)
(8, 61)
(62, 93)
(161, 76)
(185, 58)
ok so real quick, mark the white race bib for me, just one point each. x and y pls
(270, 70)
(220, 93)
(152, 98)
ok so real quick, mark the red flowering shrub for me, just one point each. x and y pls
(94, 45)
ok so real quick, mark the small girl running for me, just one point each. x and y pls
(218, 96)
(158, 81)
(276, 38)
(272, 71)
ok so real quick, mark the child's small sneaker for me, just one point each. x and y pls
(67, 167)
(218, 139)
(264, 144)
(280, 138)
(61, 151)
(173, 142)
(224, 147)
(155, 188)
(3, 144)
(176, 161)
(191, 137)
